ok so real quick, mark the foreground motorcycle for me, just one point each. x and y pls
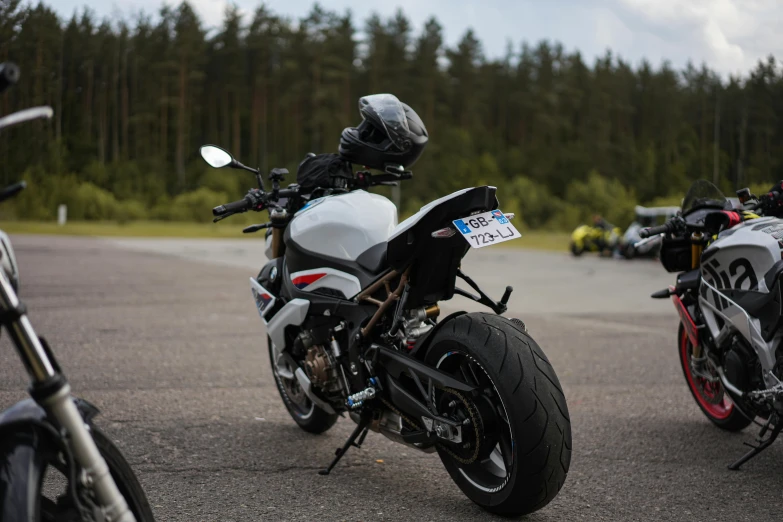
(350, 301)
(53, 433)
(728, 296)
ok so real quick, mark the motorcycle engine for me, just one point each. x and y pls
(319, 365)
(743, 368)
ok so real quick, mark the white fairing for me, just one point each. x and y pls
(293, 313)
(328, 278)
(344, 226)
(738, 260)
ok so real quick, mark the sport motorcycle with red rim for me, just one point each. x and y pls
(350, 302)
(729, 296)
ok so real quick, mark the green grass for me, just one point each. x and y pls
(539, 240)
(543, 240)
(133, 229)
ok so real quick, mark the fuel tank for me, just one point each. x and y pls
(342, 226)
(742, 255)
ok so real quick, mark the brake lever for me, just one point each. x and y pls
(388, 183)
(256, 228)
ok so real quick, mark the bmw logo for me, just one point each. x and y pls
(273, 274)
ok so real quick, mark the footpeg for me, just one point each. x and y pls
(357, 399)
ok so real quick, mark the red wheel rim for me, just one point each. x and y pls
(702, 388)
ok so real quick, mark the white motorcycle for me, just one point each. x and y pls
(350, 301)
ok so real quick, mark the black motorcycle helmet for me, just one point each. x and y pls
(391, 133)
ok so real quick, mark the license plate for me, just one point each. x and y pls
(486, 229)
(263, 298)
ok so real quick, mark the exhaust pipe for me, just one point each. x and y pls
(307, 388)
(727, 384)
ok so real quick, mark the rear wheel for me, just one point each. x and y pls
(576, 250)
(709, 393)
(307, 415)
(515, 446)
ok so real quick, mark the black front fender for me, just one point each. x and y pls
(28, 441)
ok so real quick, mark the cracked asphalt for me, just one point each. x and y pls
(163, 336)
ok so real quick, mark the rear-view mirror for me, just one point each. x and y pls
(215, 156)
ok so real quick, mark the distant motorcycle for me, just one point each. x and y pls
(52, 433)
(631, 244)
(350, 301)
(597, 238)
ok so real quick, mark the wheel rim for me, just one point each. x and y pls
(710, 395)
(293, 394)
(494, 466)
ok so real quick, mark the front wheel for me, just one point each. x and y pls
(515, 446)
(59, 508)
(305, 413)
(709, 394)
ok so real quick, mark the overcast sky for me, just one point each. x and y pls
(729, 35)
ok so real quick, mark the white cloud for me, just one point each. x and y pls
(729, 35)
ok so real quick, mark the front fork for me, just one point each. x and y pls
(697, 248)
(698, 360)
(53, 393)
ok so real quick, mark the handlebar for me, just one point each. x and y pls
(9, 75)
(667, 227)
(258, 199)
(12, 190)
(232, 208)
(247, 203)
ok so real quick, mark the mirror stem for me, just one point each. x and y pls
(237, 165)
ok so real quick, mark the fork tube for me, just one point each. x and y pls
(53, 393)
(32, 353)
(697, 247)
(276, 240)
(86, 453)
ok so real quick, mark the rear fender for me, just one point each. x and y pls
(420, 348)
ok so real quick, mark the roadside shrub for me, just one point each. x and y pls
(598, 195)
(190, 206)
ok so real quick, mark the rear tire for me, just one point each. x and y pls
(711, 398)
(307, 415)
(534, 405)
(575, 250)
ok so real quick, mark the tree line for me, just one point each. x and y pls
(562, 138)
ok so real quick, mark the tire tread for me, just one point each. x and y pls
(532, 395)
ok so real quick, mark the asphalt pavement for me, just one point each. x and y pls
(163, 336)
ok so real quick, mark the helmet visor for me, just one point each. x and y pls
(387, 111)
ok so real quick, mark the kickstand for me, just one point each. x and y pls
(360, 432)
(761, 443)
